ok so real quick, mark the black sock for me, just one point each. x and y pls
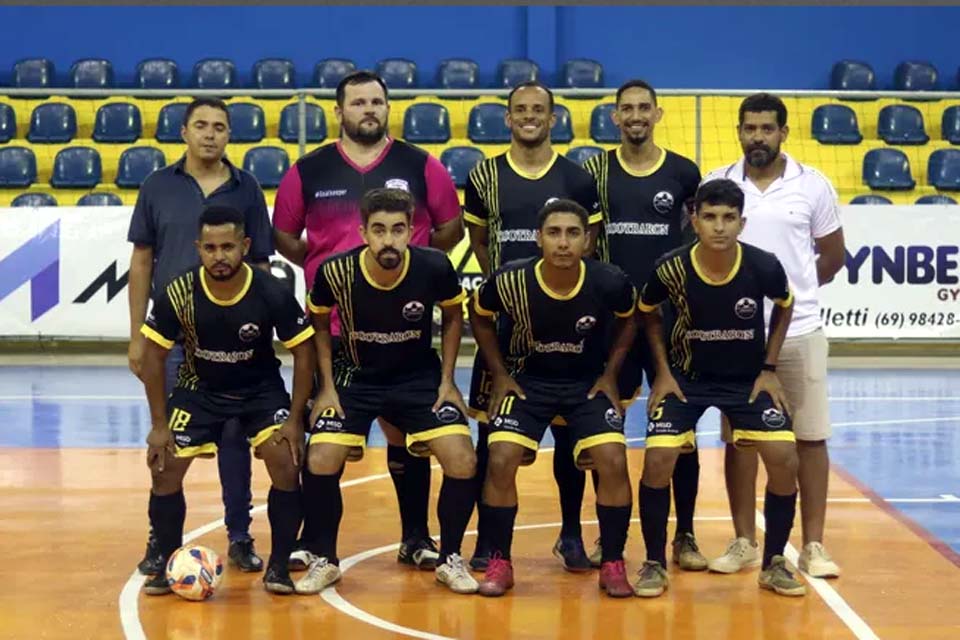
(323, 500)
(396, 464)
(779, 512)
(167, 514)
(307, 532)
(454, 509)
(596, 480)
(416, 495)
(483, 457)
(654, 510)
(284, 510)
(614, 522)
(570, 482)
(686, 479)
(500, 528)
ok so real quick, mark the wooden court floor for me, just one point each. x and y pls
(74, 523)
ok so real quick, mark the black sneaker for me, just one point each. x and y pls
(422, 554)
(276, 579)
(153, 561)
(157, 585)
(244, 557)
(571, 553)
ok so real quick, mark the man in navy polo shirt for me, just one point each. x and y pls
(163, 230)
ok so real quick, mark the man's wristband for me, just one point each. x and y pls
(768, 367)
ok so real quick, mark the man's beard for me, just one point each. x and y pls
(760, 160)
(364, 136)
(389, 259)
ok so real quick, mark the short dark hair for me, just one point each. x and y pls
(722, 191)
(530, 84)
(637, 84)
(216, 103)
(760, 102)
(563, 206)
(215, 215)
(389, 200)
(359, 77)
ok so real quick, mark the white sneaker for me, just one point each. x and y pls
(300, 560)
(455, 575)
(740, 553)
(816, 562)
(320, 575)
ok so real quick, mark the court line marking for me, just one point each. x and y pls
(641, 398)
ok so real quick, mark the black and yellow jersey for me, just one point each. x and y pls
(385, 331)
(643, 212)
(507, 200)
(552, 336)
(719, 331)
(228, 344)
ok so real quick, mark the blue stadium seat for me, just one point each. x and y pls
(486, 123)
(157, 73)
(901, 124)
(581, 73)
(562, 131)
(117, 122)
(602, 128)
(92, 73)
(887, 169)
(33, 73)
(316, 123)
(513, 71)
(943, 169)
(426, 123)
(267, 164)
(18, 167)
(247, 123)
(583, 153)
(76, 168)
(935, 199)
(835, 124)
(398, 73)
(170, 121)
(34, 200)
(52, 122)
(274, 73)
(458, 73)
(915, 76)
(136, 163)
(870, 198)
(100, 199)
(215, 73)
(8, 123)
(852, 75)
(950, 124)
(459, 161)
(328, 73)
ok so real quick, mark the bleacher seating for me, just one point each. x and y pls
(887, 169)
(562, 130)
(513, 71)
(328, 73)
(247, 122)
(157, 73)
(8, 123)
(583, 153)
(316, 129)
(852, 75)
(458, 73)
(118, 122)
(52, 122)
(836, 124)
(91, 73)
(935, 199)
(870, 198)
(215, 73)
(602, 128)
(136, 163)
(915, 76)
(18, 167)
(274, 73)
(426, 123)
(267, 164)
(34, 200)
(33, 73)
(582, 74)
(901, 124)
(398, 73)
(170, 121)
(99, 199)
(487, 124)
(76, 168)
(943, 169)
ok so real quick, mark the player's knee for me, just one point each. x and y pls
(658, 465)
(462, 464)
(322, 462)
(503, 462)
(610, 460)
(166, 482)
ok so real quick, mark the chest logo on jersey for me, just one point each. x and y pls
(249, 332)
(397, 183)
(413, 311)
(585, 324)
(330, 193)
(663, 202)
(773, 417)
(745, 308)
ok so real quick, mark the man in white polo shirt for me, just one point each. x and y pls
(791, 211)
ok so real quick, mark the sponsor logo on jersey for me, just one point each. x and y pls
(719, 335)
(745, 308)
(585, 324)
(558, 347)
(329, 193)
(413, 311)
(224, 357)
(249, 332)
(518, 235)
(663, 202)
(637, 229)
(397, 183)
(380, 337)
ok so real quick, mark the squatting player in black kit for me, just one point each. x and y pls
(384, 365)
(227, 313)
(645, 192)
(570, 326)
(501, 202)
(718, 357)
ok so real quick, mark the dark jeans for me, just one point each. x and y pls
(233, 462)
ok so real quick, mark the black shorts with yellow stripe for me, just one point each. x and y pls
(673, 422)
(407, 404)
(523, 422)
(196, 418)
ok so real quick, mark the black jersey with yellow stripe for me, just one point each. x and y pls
(719, 331)
(562, 337)
(506, 200)
(228, 344)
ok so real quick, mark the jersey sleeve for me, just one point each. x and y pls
(486, 299)
(826, 214)
(622, 297)
(449, 290)
(143, 230)
(162, 325)
(474, 209)
(584, 192)
(289, 320)
(320, 300)
(442, 202)
(289, 210)
(258, 227)
(654, 291)
(776, 286)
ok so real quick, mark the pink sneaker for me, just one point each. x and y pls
(613, 579)
(498, 578)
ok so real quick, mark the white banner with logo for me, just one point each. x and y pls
(63, 272)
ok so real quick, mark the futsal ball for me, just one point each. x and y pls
(194, 572)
